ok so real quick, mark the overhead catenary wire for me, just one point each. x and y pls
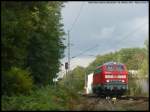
(118, 42)
(85, 51)
(73, 24)
(126, 36)
(69, 34)
(130, 33)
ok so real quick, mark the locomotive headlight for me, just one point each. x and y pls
(108, 76)
(123, 76)
(122, 80)
(107, 80)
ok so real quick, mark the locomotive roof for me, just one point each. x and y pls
(110, 63)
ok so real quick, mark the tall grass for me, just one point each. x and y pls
(45, 98)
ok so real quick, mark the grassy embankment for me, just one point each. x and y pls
(46, 98)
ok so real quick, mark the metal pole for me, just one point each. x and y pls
(68, 51)
(85, 87)
(68, 54)
(66, 77)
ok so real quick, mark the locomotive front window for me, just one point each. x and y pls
(120, 68)
(110, 67)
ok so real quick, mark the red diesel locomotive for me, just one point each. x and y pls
(110, 79)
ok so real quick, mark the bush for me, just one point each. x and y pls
(44, 98)
(134, 89)
(17, 81)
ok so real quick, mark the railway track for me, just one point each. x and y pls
(134, 98)
(120, 98)
(96, 100)
(110, 103)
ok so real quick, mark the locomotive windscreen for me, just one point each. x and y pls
(114, 67)
(120, 67)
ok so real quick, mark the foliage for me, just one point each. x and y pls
(17, 81)
(78, 77)
(100, 59)
(14, 34)
(32, 38)
(131, 57)
(144, 66)
(45, 98)
(46, 47)
(133, 88)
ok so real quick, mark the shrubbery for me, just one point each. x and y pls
(133, 88)
(17, 81)
(45, 98)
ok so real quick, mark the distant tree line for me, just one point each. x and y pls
(31, 44)
(133, 58)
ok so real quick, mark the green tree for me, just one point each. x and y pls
(77, 77)
(32, 35)
(17, 81)
(46, 47)
(144, 65)
(131, 57)
(14, 34)
(100, 59)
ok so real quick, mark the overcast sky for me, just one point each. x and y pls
(109, 26)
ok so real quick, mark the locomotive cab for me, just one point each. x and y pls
(111, 79)
(115, 78)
